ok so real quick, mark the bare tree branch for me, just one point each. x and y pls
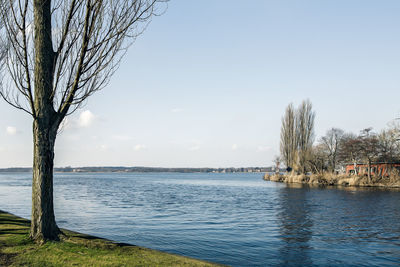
(89, 39)
(53, 56)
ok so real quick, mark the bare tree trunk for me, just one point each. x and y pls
(369, 171)
(43, 224)
(45, 125)
(355, 168)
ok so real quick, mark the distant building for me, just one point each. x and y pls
(377, 168)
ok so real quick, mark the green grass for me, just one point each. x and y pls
(75, 249)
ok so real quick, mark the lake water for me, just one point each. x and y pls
(234, 219)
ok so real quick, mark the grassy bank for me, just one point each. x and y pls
(334, 180)
(76, 249)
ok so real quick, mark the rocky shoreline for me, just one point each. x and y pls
(333, 180)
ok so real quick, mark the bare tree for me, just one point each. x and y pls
(388, 145)
(297, 136)
(368, 148)
(331, 144)
(349, 150)
(288, 137)
(59, 53)
(319, 160)
(277, 160)
(304, 133)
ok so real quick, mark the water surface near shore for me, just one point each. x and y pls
(236, 219)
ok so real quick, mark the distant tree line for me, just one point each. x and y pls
(336, 148)
(146, 169)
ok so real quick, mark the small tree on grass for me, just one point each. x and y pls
(57, 54)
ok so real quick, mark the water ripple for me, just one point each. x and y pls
(235, 219)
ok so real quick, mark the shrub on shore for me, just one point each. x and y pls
(332, 179)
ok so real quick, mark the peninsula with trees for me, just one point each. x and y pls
(338, 158)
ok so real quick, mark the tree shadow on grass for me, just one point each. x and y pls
(96, 238)
(14, 226)
(13, 222)
(10, 219)
(14, 231)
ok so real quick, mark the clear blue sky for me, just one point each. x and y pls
(208, 83)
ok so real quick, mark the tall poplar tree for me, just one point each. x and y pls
(297, 136)
(288, 137)
(304, 133)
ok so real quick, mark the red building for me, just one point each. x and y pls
(377, 168)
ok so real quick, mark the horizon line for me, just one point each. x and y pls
(150, 167)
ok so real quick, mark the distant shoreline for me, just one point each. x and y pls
(144, 170)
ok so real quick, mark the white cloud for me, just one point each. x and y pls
(263, 148)
(194, 148)
(234, 146)
(176, 110)
(122, 137)
(86, 118)
(103, 147)
(11, 130)
(139, 147)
